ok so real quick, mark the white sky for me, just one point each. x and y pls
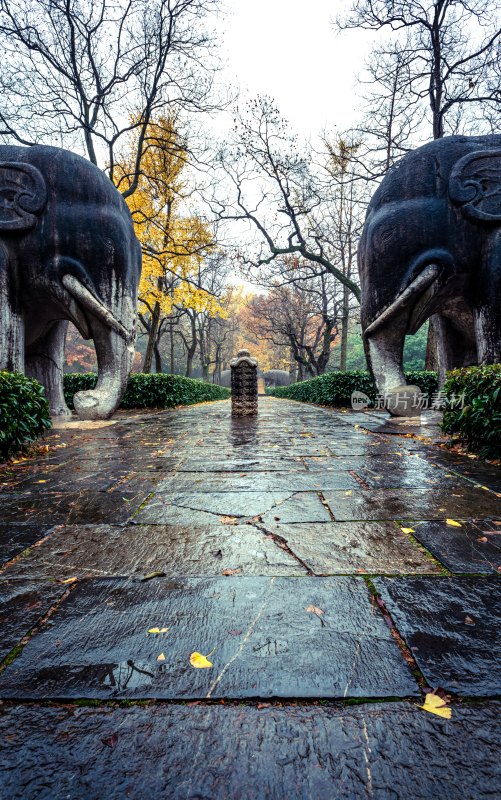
(289, 49)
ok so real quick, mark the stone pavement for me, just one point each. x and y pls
(329, 567)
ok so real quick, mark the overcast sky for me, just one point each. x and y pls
(290, 50)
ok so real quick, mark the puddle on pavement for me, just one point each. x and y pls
(128, 675)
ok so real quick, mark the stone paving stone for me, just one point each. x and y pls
(198, 508)
(16, 537)
(407, 504)
(474, 547)
(293, 482)
(341, 547)
(247, 465)
(22, 604)
(266, 644)
(409, 472)
(302, 507)
(452, 627)
(94, 551)
(365, 752)
(72, 507)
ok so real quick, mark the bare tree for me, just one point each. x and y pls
(287, 200)
(90, 72)
(450, 53)
(303, 314)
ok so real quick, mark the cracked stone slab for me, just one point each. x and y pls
(381, 751)
(459, 502)
(452, 627)
(22, 604)
(196, 508)
(94, 551)
(293, 482)
(264, 639)
(16, 537)
(340, 547)
(473, 547)
(302, 507)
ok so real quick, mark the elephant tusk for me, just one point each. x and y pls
(87, 299)
(418, 285)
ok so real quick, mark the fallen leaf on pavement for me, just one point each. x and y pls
(67, 580)
(315, 610)
(436, 705)
(151, 575)
(468, 620)
(111, 741)
(161, 657)
(453, 523)
(228, 520)
(235, 571)
(199, 661)
(408, 530)
(157, 630)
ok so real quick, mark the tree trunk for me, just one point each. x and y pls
(158, 358)
(344, 330)
(152, 338)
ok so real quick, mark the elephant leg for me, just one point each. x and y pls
(488, 313)
(11, 322)
(44, 361)
(456, 345)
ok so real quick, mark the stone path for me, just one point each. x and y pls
(330, 569)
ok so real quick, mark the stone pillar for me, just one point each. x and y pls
(243, 384)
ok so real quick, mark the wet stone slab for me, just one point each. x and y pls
(94, 551)
(71, 507)
(473, 547)
(292, 482)
(16, 537)
(368, 752)
(341, 547)
(461, 502)
(452, 627)
(22, 604)
(266, 636)
(199, 508)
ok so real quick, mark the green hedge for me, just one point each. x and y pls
(151, 391)
(473, 408)
(24, 412)
(335, 388)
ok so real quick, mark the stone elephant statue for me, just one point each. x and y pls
(431, 247)
(67, 252)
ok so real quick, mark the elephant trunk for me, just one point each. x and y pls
(114, 359)
(385, 338)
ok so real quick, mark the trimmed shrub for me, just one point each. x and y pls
(151, 391)
(335, 388)
(473, 408)
(24, 412)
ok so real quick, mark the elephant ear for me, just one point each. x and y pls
(475, 185)
(23, 195)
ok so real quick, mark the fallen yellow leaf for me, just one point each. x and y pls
(436, 705)
(453, 523)
(348, 493)
(408, 530)
(199, 661)
(161, 657)
(157, 630)
(68, 580)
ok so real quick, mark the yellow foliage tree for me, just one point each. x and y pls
(174, 244)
